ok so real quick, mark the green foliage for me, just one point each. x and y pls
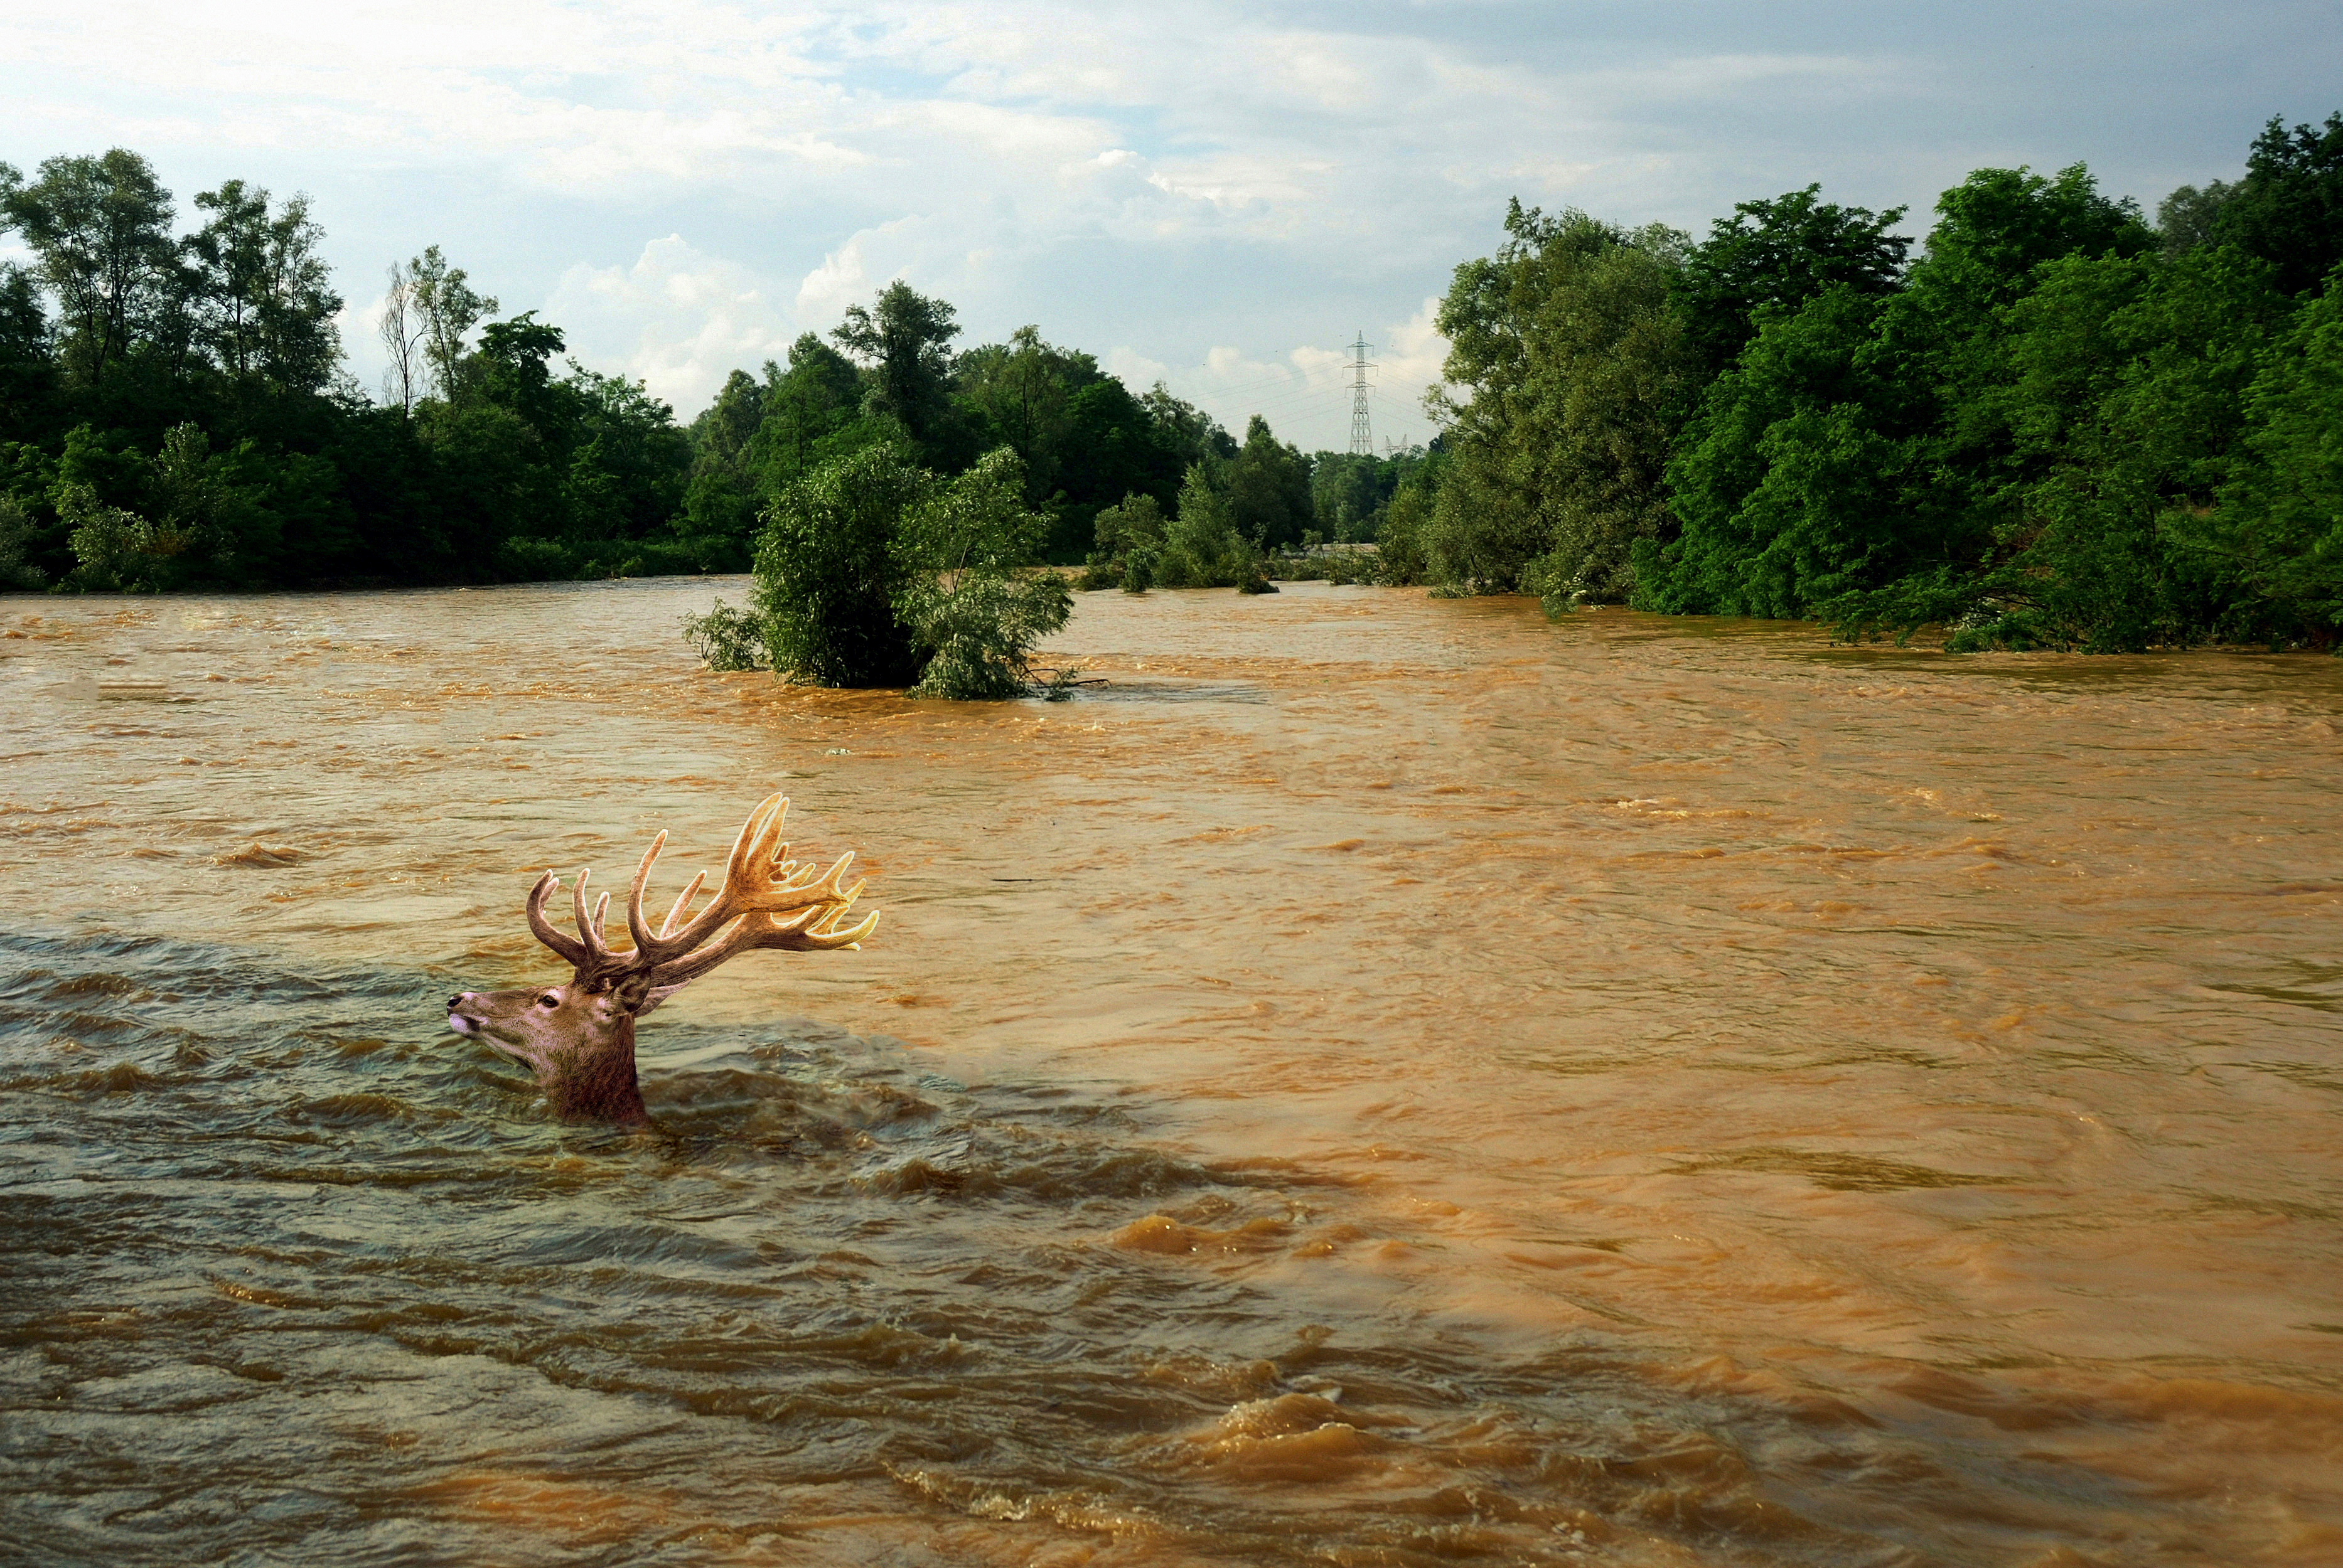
(1130, 539)
(2188, 217)
(727, 639)
(16, 532)
(831, 576)
(903, 338)
(1775, 256)
(1576, 369)
(1201, 547)
(2281, 514)
(2288, 209)
(205, 521)
(974, 607)
(1401, 558)
(1868, 439)
(1266, 489)
(261, 300)
(101, 228)
(871, 571)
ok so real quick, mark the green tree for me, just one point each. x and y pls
(2288, 209)
(1268, 489)
(448, 308)
(1202, 546)
(101, 229)
(1574, 371)
(1866, 440)
(1777, 255)
(198, 528)
(2127, 404)
(18, 533)
(2281, 515)
(813, 414)
(829, 577)
(2190, 216)
(1021, 393)
(1400, 560)
(904, 337)
(974, 606)
(720, 493)
(265, 307)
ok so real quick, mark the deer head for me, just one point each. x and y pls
(580, 1037)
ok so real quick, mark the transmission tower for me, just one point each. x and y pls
(1363, 439)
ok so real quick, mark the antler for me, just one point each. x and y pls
(766, 899)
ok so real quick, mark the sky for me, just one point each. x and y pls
(1221, 196)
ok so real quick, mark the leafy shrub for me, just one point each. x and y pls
(16, 532)
(872, 572)
(528, 560)
(727, 639)
(974, 604)
(830, 576)
(1399, 559)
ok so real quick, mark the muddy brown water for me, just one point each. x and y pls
(1376, 1081)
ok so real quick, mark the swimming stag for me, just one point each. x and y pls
(580, 1037)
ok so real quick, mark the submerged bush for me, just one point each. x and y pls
(975, 604)
(830, 576)
(727, 639)
(873, 572)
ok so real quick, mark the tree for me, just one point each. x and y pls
(1130, 537)
(1021, 393)
(443, 298)
(2288, 209)
(264, 308)
(1574, 371)
(1202, 546)
(1869, 440)
(813, 412)
(27, 349)
(721, 499)
(101, 228)
(401, 330)
(974, 608)
(829, 574)
(2282, 511)
(2189, 218)
(1268, 489)
(1775, 256)
(903, 337)
(2126, 401)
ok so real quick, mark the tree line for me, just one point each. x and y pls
(2059, 425)
(174, 415)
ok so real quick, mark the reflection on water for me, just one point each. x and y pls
(1380, 1081)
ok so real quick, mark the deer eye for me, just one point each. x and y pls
(550, 999)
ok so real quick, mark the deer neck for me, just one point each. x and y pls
(599, 1084)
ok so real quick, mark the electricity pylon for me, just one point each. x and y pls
(1363, 439)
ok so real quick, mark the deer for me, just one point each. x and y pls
(580, 1037)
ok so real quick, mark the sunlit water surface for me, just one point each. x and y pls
(1376, 1081)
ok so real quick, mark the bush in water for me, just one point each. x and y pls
(973, 602)
(828, 575)
(871, 571)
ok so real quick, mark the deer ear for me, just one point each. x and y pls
(632, 992)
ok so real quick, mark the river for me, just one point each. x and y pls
(1373, 1081)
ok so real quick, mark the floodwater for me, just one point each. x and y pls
(1378, 1080)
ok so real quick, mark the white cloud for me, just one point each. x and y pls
(678, 320)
